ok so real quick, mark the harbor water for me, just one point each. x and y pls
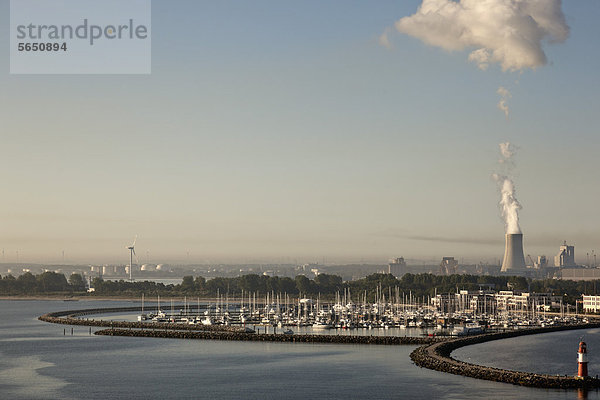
(44, 361)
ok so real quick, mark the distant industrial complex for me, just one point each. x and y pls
(514, 263)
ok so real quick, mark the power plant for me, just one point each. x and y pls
(514, 260)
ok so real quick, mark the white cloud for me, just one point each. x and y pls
(481, 57)
(508, 32)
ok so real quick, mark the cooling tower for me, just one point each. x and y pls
(514, 260)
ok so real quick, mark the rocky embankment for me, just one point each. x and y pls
(270, 337)
(437, 357)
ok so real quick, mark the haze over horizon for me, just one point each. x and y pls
(272, 132)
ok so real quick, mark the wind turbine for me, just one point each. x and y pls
(131, 254)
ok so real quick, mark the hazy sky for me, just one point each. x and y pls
(285, 130)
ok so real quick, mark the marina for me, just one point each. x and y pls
(434, 353)
(463, 313)
(229, 369)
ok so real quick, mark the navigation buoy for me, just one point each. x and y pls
(582, 360)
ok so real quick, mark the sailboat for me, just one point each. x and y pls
(160, 316)
(142, 316)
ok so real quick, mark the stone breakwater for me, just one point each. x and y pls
(73, 317)
(270, 337)
(211, 332)
(437, 357)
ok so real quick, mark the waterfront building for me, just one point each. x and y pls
(509, 300)
(591, 303)
(478, 301)
(490, 302)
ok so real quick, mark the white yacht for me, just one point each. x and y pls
(321, 325)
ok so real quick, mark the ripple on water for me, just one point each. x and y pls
(20, 378)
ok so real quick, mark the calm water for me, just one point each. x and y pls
(38, 362)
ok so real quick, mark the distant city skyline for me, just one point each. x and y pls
(273, 131)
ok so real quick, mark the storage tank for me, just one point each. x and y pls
(148, 267)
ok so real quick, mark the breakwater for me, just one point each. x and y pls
(72, 317)
(437, 357)
(211, 332)
(270, 337)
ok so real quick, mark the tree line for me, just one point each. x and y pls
(44, 283)
(324, 285)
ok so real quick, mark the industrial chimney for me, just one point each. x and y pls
(514, 260)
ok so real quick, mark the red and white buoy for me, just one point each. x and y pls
(582, 360)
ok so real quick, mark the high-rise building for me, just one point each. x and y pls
(397, 267)
(565, 257)
(448, 266)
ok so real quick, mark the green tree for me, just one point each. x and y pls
(27, 282)
(250, 282)
(97, 284)
(200, 283)
(287, 285)
(518, 283)
(52, 282)
(304, 285)
(77, 282)
(187, 285)
(328, 283)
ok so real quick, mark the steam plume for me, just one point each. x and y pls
(507, 32)
(509, 205)
(384, 39)
(504, 96)
(507, 151)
